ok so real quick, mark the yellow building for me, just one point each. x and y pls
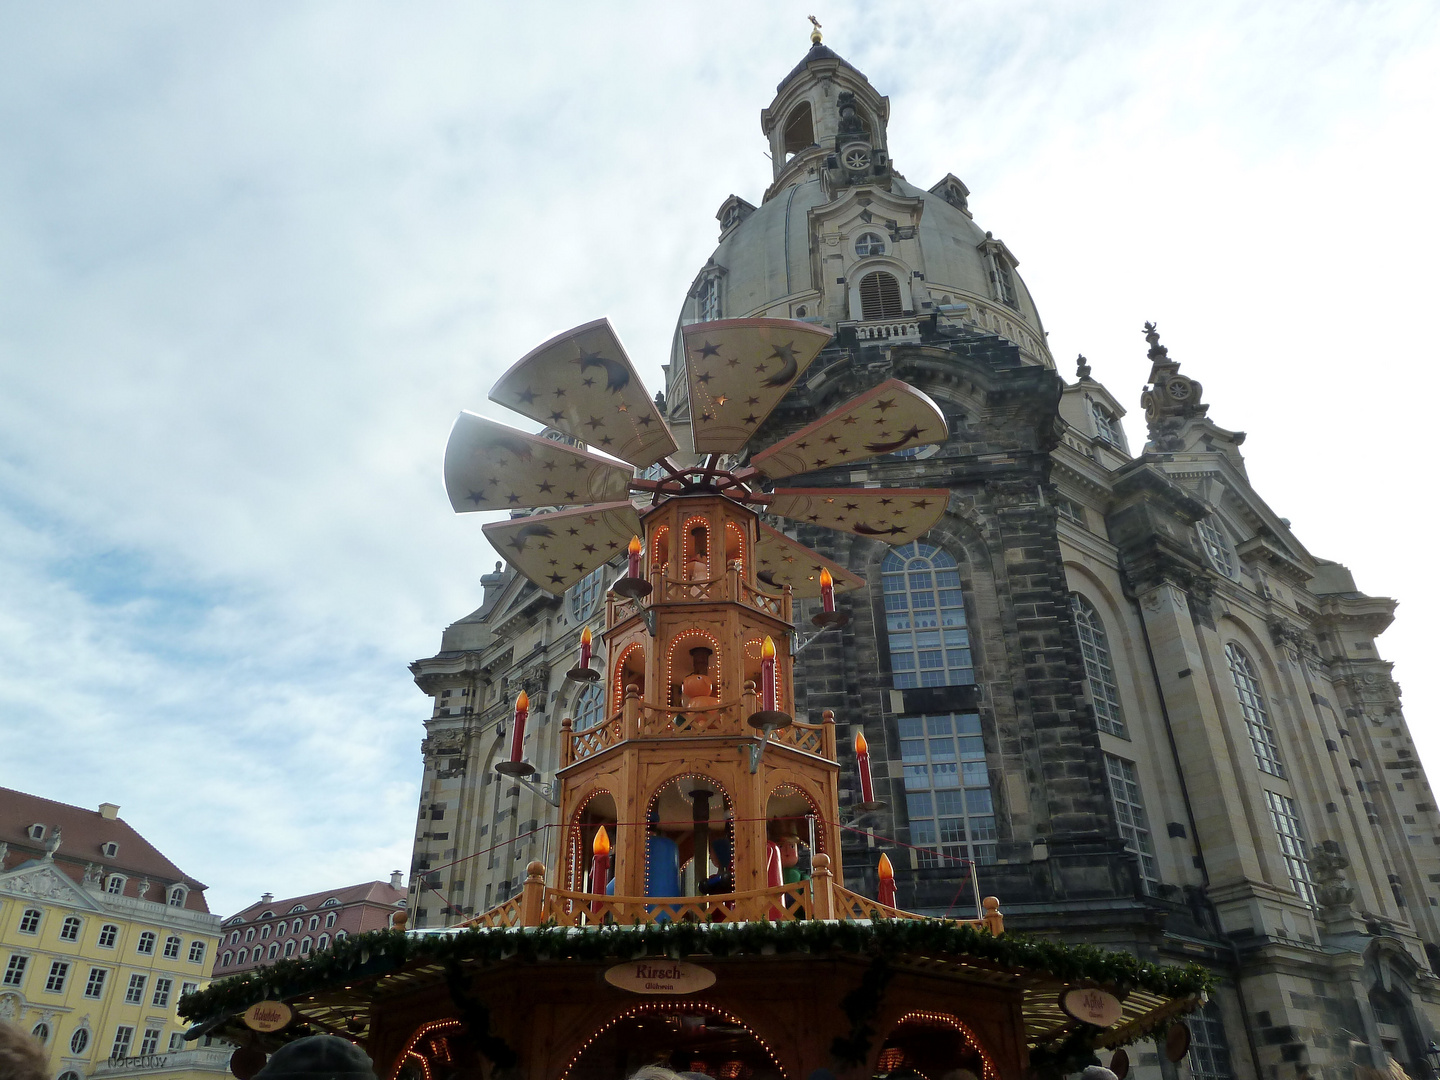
(100, 937)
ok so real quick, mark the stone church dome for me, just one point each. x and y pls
(843, 240)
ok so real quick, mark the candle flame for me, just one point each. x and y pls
(767, 651)
(886, 870)
(826, 581)
(861, 746)
(585, 636)
(522, 703)
(635, 545)
(601, 846)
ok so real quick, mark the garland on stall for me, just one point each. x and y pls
(367, 955)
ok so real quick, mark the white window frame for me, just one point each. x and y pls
(197, 952)
(172, 947)
(1290, 831)
(15, 970)
(58, 976)
(135, 991)
(160, 997)
(30, 920)
(146, 942)
(1099, 667)
(1250, 693)
(70, 928)
(95, 982)
(1130, 816)
(115, 884)
(109, 934)
(124, 1036)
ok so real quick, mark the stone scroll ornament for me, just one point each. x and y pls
(577, 506)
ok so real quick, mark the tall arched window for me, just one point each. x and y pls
(880, 296)
(586, 592)
(925, 617)
(589, 706)
(1217, 549)
(799, 130)
(1099, 671)
(1252, 705)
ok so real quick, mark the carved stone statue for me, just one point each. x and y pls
(1332, 890)
(52, 845)
(93, 873)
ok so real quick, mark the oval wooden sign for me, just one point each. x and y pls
(1092, 1005)
(267, 1016)
(1177, 1041)
(660, 976)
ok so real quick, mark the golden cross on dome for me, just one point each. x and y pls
(814, 34)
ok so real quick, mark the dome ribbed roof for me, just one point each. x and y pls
(817, 52)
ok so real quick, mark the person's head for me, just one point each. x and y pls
(22, 1057)
(654, 1072)
(318, 1057)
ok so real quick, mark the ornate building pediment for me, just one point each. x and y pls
(43, 881)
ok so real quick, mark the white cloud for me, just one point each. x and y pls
(253, 261)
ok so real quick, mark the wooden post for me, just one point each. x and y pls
(632, 711)
(532, 899)
(567, 742)
(994, 921)
(827, 734)
(822, 887)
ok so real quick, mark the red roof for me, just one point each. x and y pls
(83, 833)
(373, 892)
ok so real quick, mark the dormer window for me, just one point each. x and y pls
(707, 300)
(110, 849)
(1107, 425)
(116, 885)
(177, 896)
(36, 831)
(870, 244)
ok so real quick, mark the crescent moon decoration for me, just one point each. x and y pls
(737, 370)
(892, 416)
(558, 384)
(895, 515)
(489, 466)
(788, 370)
(617, 376)
(906, 439)
(572, 543)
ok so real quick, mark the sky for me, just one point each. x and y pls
(254, 258)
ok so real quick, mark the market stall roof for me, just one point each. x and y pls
(336, 989)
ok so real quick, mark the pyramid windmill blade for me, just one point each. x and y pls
(780, 561)
(489, 466)
(583, 384)
(557, 550)
(738, 370)
(894, 515)
(891, 417)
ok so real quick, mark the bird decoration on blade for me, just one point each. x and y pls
(580, 506)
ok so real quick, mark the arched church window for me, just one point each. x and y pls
(1099, 671)
(799, 130)
(1252, 706)
(589, 706)
(947, 789)
(586, 592)
(880, 296)
(1209, 1052)
(1217, 548)
(870, 244)
(925, 617)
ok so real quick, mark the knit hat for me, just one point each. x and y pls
(318, 1057)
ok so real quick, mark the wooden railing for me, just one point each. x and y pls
(820, 897)
(729, 586)
(644, 719)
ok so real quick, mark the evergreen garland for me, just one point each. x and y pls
(381, 951)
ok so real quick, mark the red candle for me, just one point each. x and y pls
(635, 550)
(862, 761)
(767, 675)
(887, 881)
(827, 590)
(517, 734)
(600, 865)
(585, 647)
